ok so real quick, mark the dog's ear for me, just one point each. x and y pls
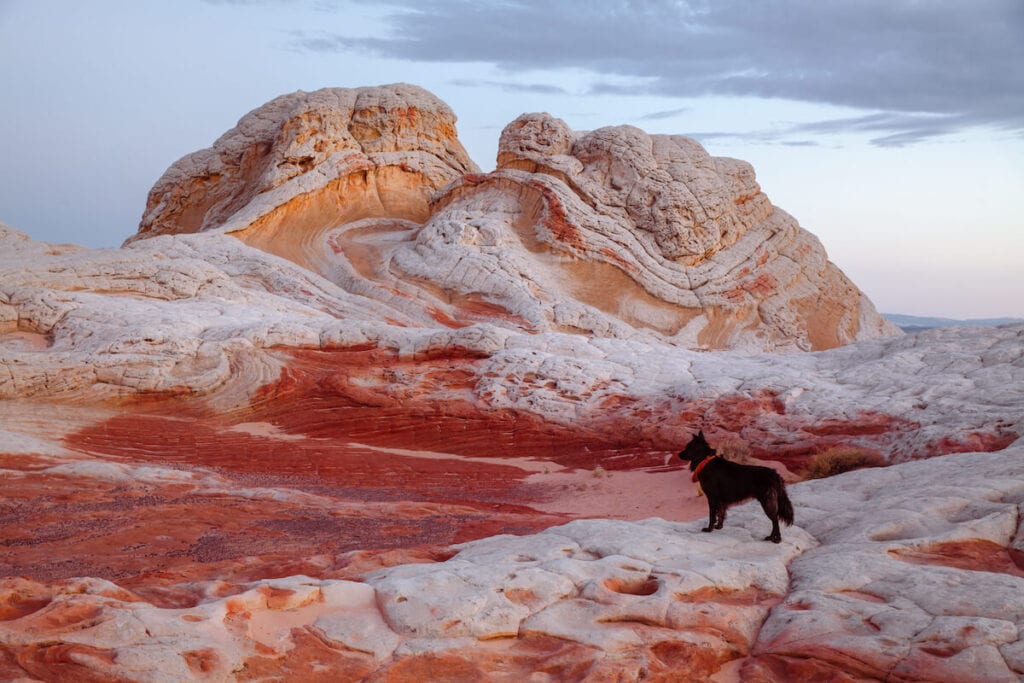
(700, 435)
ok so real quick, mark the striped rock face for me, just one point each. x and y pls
(611, 233)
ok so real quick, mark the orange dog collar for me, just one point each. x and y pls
(701, 466)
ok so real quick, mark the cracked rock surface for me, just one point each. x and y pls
(892, 574)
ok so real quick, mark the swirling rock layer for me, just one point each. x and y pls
(235, 451)
(348, 409)
(613, 233)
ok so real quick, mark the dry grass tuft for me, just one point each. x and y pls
(733, 448)
(839, 459)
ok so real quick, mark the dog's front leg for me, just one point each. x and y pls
(712, 514)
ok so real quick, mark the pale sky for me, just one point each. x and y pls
(891, 129)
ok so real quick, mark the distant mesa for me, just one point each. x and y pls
(916, 323)
(609, 233)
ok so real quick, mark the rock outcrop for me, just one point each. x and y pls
(207, 318)
(613, 233)
(925, 583)
(227, 447)
(347, 408)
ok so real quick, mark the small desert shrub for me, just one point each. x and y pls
(839, 459)
(733, 448)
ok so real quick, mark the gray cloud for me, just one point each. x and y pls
(666, 114)
(893, 129)
(759, 137)
(323, 42)
(508, 86)
(896, 129)
(928, 68)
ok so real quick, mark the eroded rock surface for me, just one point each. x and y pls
(347, 409)
(915, 578)
(613, 233)
(233, 328)
(601, 599)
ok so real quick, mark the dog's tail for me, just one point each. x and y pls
(785, 504)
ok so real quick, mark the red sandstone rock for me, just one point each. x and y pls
(216, 462)
(852, 593)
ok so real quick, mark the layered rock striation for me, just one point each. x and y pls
(346, 407)
(613, 233)
(206, 318)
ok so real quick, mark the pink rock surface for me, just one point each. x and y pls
(409, 422)
(838, 599)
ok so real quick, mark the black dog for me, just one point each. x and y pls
(727, 483)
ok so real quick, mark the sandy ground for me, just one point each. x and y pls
(594, 493)
(622, 494)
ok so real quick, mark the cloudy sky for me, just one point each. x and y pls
(892, 129)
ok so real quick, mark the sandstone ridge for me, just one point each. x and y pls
(613, 233)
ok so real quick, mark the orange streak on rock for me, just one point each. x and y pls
(983, 442)
(760, 288)
(201, 661)
(774, 668)
(747, 597)
(24, 462)
(975, 554)
(352, 396)
(557, 222)
(531, 656)
(310, 660)
(62, 663)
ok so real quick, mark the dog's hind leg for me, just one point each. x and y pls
(770, 504)
(721, 515)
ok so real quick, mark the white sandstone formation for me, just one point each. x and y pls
(275, 434)
(206, 316)
(611, 233)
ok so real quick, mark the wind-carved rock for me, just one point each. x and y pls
(311, 160)
(290, 458)
(612, 233)
(709, 262)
